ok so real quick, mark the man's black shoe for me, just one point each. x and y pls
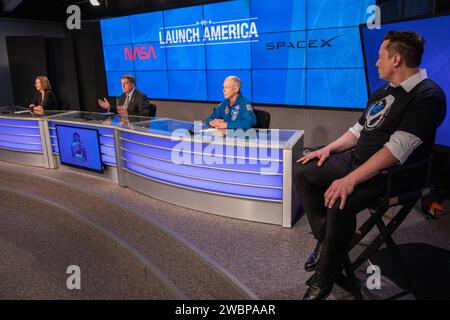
(341, 281)
(319, 288)
(351, 286)
(309, 281)
(311, 263)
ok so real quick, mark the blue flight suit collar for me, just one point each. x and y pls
(238, 101)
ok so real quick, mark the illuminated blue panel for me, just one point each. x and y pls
(28, 140)
(334, 48)
(336, 13)
(21, 147)
(229, 56)
(285, 16)
(227, 11)
(108, 156)
(183, 17)
(118, 58)
(22, 131)
(279, 86)
(109, 160)
(336, 87)
(280, 50)
(115, 31)
(149, 56)
(20, 139)
(215, 83)
(145, 27)
(153, 84)
(256, 166)
(254, 192)
(155, 141)
(113, 81)
(189, 85)
(181, 37)
(108, 150)
(232, 50)
(21, 123)
(53, 139)
(207, 173)
(185, 58)
(196, 147)
(106, 140)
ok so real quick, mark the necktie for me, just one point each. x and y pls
(127, 101)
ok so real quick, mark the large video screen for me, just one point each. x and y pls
(79, 147)
(436, 58)
(298, 52)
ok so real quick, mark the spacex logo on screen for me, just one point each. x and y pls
(141, 52)
(301, 44)
(207, 32)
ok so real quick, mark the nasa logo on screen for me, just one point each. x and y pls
(141, 52)
(78, 150)
(378, 112)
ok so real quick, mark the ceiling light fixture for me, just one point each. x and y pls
(95, 2)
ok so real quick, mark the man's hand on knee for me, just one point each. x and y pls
(321, 154)
(340, 188)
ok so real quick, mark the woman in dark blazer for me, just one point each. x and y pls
(45, 98)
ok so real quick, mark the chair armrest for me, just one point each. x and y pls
(390, 172)
(403, 168)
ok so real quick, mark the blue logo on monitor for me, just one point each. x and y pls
(78, 150)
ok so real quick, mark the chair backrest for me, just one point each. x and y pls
(152, 109)
(263, 119)
(63, 104)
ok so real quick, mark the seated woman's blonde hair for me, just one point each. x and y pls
(44, 81)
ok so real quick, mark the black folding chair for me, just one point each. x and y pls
(406, 200)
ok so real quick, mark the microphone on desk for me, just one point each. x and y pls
(22, 112)
(191, 130)
(26, 106)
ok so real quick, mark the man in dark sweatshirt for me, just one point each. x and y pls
(397, 127)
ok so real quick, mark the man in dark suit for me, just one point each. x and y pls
(131, 102)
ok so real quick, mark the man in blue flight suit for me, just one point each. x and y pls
(235, 112)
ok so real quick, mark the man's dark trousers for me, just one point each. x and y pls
(334, 226)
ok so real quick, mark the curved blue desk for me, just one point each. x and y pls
(244, 175)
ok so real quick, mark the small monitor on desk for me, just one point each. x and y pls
(79, 147)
